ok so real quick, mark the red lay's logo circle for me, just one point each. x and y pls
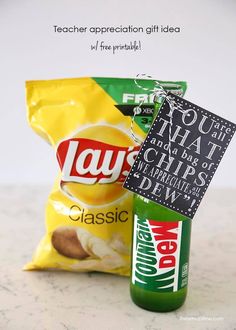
(94, 164)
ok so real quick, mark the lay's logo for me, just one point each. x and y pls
(89, 161)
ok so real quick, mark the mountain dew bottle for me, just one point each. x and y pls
(160, 255)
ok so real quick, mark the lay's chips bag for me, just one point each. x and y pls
(90, 123)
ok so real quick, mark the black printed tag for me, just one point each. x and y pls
(179, 156)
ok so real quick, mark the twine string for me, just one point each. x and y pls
(158, 94)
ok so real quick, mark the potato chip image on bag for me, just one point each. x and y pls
(90, 124)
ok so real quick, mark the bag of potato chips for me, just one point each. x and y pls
(90, 123)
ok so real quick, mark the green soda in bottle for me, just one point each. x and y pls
(160, 256)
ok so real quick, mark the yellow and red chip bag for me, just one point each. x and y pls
(90, 123)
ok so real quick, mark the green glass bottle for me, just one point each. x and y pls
(160, 256)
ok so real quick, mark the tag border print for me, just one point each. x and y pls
(209, 114)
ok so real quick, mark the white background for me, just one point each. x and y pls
(203, 54)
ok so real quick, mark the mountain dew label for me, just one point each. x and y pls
(160, 254)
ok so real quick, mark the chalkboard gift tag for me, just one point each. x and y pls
(180, 155)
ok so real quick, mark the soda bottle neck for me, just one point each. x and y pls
(150, 209)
